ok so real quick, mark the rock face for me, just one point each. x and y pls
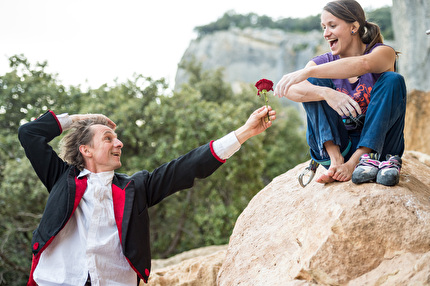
(198, 267)
(417, 127)
(251, 54)
(334, 234)
(199, 252)
(411, 19)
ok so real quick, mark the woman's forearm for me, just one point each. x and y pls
(382, 59)
(342, 103)
(340, 69)
(306, 92)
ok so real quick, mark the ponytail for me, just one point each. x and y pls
(370, 34)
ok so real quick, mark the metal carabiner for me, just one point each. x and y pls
(310, 170)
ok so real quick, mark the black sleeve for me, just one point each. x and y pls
(34, 137)
(180, 173)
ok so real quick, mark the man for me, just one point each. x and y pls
(95, 227)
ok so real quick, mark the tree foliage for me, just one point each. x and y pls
(25, 93)
(252, 20)
(382, 16)
(155, 126)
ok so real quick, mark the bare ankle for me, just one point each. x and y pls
(334, 153)
(337, 160)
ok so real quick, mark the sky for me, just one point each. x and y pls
(93, 42)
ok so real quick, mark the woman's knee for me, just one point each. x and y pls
(393, 79)
(389, 83)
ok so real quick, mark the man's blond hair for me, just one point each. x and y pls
(80, 133)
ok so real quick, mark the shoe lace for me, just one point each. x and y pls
(369, 160)
(392, 162)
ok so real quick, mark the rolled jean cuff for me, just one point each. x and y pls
(327, 162)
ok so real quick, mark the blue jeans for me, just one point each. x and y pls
(383, 127)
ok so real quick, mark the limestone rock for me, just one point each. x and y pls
(423, 158)
(417, 127)
(251, 54)
(193, 268)
(334, 234)
(176, 259)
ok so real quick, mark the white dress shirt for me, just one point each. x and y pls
(89, 243)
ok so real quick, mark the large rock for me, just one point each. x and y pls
(197, 267)
(334, 234)
(193, 253)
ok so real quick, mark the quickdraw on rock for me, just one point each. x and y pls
(308, 172)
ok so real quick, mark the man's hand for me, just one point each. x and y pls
(79, 117)
(255, 124)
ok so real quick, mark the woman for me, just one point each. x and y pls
(356, 80)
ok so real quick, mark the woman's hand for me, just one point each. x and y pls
(288, 80)
(342, 103)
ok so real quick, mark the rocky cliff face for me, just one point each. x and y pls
(417, 127)
(251, 54)
(411, 19)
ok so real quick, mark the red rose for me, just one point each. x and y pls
(264, 84)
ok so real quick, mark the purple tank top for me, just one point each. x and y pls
(359, 90)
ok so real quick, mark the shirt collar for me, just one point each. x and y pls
(83, 173)
(104, 177)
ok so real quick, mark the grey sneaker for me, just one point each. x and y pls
(389, 171)
(366, 170)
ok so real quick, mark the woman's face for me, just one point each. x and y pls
(337, 33)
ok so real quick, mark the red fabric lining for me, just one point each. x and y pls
(35, 261)
(81, 186)
(118, 197)
(214, 154)
(56, 119)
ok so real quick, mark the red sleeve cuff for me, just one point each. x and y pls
(214, 154)
(56, 119)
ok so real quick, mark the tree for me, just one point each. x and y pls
(25, 93)
(382, 16)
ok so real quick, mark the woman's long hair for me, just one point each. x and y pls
(351, 11)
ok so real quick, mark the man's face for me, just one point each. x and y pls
(105, 152)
